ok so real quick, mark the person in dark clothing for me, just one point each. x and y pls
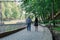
(36, 24)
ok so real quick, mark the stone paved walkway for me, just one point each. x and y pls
(42, 34)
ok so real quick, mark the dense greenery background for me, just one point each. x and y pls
(11, 10)
(43, 9)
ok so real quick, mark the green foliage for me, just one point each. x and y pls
(10, 10)
(56, 28)
(41, 8)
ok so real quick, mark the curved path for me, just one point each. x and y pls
(42, 34)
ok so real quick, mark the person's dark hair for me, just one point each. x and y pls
(29, 17)
(36, 18)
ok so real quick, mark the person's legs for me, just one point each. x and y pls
(28, 27)
(36, 28)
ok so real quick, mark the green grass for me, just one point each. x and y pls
(56, 28)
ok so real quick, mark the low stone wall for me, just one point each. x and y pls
(10, 27)
(10, 32)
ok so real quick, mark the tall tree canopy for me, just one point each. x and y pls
(41, 8)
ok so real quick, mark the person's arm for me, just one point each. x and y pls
(31, 21)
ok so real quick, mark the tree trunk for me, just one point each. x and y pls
(0, 14)
(53, 13)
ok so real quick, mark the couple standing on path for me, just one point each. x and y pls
(28, 22)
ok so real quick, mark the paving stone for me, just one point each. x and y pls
(42, 34)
